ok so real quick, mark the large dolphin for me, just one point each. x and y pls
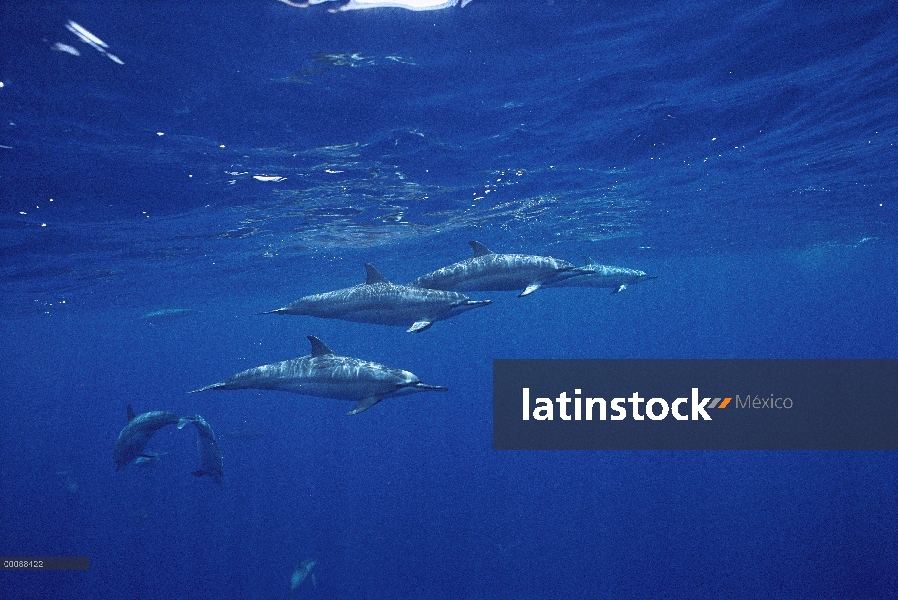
(327, 375)
(140, 428)
(383, 303)
(210, 453)
(603, 276)
(488, 271)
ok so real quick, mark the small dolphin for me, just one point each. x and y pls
(210, 453)
(302, 570)
(380, 302)
(327, 375)
(140, 428)
(488, 271)
(603, 276)
(149, 460)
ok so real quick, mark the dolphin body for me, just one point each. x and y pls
(327, 375)
(488, 271)
(380, 302)
(140, 428)
(604, 276)
(302, 570)
(210, 453)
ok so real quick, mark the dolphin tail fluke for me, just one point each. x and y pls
(198, 473)
(364, 405)
(184, 421)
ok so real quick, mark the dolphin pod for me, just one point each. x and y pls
(380, 302)
(328, 375)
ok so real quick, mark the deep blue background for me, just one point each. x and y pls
(746, 155)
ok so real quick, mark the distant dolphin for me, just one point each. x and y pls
(210, 454)
(327, 375)
(488, 271)
(167, 314)
(302, 570)
(140, 428)
(380, 302)
(603, 276)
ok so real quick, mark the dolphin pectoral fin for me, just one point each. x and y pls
(529, 289)
(364, 404)
(419, 326)
(130, 413)
(314, 583)
(184, 421)
(620, 289)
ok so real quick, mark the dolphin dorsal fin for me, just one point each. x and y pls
(588, 261)
(374, 275)
(131, 414)
(479, 249)
(319, 348)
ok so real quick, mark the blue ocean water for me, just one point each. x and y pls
(230, 157)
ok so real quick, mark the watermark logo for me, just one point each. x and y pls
(673, 404)
(656, 409)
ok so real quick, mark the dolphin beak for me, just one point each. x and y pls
(434, 388)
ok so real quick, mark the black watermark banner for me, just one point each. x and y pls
(44, 563)
(724, 404)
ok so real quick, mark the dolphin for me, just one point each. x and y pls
(302, 570)
(488, 271)
(327, 375)
(380, 302)
(210, 453)
(603, 276)
(140, 428)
